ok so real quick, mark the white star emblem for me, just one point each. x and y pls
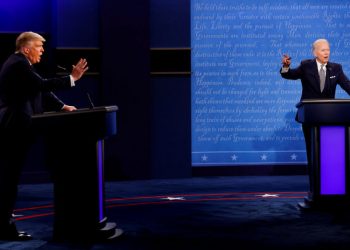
(293, 157)
(268, 195)
(234, 157)
(263, 157)
(174, 198)
(16, 215)
(204, 158)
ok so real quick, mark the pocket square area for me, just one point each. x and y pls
(332, 77)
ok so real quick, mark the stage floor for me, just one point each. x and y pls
(241, 212)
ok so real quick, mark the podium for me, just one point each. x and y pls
(74, 145)
(329, 121)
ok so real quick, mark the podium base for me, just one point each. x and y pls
(307, 204)
(325, 203)
(107, 230)
(103, 232)
(117, 232)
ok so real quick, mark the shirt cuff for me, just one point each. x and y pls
(284, 70)
(72, 83)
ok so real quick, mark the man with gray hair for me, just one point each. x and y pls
(319, 78)
(23, 93)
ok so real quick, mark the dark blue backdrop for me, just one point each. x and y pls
(153, 138)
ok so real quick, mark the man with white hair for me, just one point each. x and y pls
(319, 78)
(23, 93)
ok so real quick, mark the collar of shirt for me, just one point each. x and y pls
(319, 65)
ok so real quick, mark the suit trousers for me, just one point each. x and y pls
(308, 143)
(14, 146)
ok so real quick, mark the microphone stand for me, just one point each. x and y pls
(92, 106)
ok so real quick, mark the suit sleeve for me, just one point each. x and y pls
(344, 81)
(292, 74)
(31, 81)
(51, 102)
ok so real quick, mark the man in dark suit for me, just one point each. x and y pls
(319, 78)
(23, 93)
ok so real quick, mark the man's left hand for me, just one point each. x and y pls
(79, 69)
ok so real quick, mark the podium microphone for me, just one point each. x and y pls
(63, 68)
(86, 92)
(90, 101)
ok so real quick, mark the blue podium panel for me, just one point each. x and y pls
(332, 160)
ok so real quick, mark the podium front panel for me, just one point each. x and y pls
(332, 160)
(78, 173)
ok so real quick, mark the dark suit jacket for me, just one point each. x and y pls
(24, 93)
(307, 72)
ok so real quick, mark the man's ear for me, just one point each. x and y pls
(26, 50)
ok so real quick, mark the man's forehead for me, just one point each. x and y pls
(37, 42)
(321, 44)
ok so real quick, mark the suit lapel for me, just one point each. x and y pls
(328, 74)
(316, 76)
(35, 101)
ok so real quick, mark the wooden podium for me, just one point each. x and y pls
(74, 145)
(329, 120)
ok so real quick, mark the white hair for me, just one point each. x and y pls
(321, 40)
(26, 37)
